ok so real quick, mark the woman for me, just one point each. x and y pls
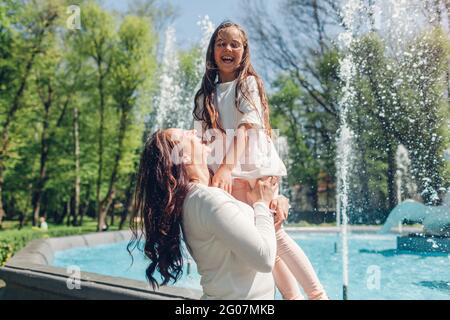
(233, 243)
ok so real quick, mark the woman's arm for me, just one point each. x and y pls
(251, 239)
(253, 242)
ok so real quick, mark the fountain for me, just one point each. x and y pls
(168, 107)
(282, 147)
(435, 221)
(174, 102)
(396, 22)
(350, 10)
(405, 184)
(207, 28)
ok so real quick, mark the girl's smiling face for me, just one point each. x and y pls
(228, 51)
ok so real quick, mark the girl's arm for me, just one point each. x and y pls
(222, 178)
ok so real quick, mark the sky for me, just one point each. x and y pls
(188, 32)
(191, 11)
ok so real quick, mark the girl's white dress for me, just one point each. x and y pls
(260, 157)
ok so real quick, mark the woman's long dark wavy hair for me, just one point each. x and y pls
(161, 188)
(209, 114)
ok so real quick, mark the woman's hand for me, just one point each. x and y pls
(263, 191)
(222, 179)
(281, 207)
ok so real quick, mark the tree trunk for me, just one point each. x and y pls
(105, 204)
(392, 196)
(101, 219)
(111, 212)
(371, 16)
(5, 131)
(447, 28)
(37, 196)
(126, 211)
(315, 196)
(438, 11)
(319, 26)
(46, 139)
(107, 201)
(86, 205)
(15, 105)
(64, 213)
(77, 164)
(2, 211)
(129, 203)
(82, 214)
(447, 7)
(68, 211)
(21, 220)
(362, 200)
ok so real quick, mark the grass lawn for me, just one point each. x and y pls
(12, 239)
(89, 225)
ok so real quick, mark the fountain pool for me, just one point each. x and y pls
(377, 269)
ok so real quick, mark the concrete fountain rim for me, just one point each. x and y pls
(31, 269)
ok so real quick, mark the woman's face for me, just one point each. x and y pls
(228, 51)
(193, 150)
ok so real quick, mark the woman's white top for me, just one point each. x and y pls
(260, 157)
(233, 245)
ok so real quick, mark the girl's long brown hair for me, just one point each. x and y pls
(209, 114)
(161, 188)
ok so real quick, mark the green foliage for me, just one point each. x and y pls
(65, 69)
(11, 241)
(132, 72)
(286, 106)
(6, 252)
(309, 128)
(396, 102)
(400, 101)
(189, 72)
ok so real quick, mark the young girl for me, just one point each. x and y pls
(233, 111)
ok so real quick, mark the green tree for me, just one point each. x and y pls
(132, 69)
(26, 34)
(189, 74)
(405, 101)
(96, 41)
(424, 102)
(286, 108)
(310, 129)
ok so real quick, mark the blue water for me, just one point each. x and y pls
(376, 269)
